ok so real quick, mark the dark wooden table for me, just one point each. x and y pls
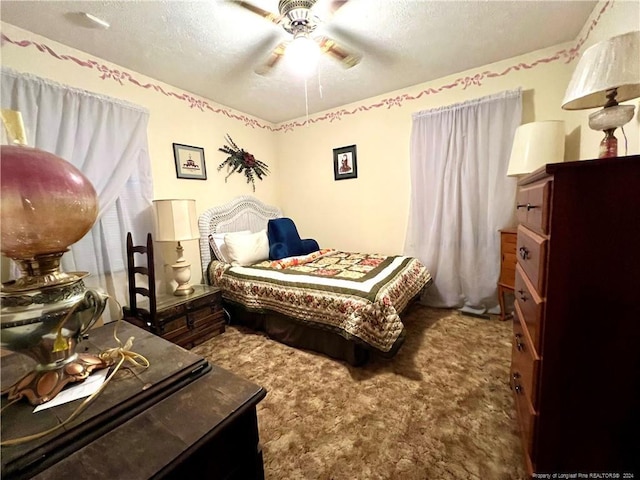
(169, 421)
(184, 320)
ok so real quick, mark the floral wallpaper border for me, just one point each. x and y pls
(122, 77)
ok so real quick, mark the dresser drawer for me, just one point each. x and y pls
(212, 323)
(200, 315)
(527, 422)
(534, 206)
(508, 241)
(532, 256)
(195, 328)
(214, 299)
(166, 315)
(529, 307)
(174, 328)
(508, 269)
(524, 363)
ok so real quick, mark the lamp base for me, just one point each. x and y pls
(40, 386)
(608, 145)
(183, 290)
(608, 119)
(182, 275)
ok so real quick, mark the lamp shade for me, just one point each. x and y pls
(611, 64)
(536, 144)
(176, 220)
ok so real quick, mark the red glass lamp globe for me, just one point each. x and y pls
(46, 203)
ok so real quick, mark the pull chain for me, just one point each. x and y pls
(306, 100)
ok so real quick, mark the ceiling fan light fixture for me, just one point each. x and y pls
(302, 55)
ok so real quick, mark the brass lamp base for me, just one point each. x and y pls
(40, 386)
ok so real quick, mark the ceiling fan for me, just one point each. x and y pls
(298, 19)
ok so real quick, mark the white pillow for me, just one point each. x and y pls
(216, 241)
(248, 249)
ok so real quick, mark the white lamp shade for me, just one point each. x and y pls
(176, 220)
(612, 63)
(536, 144)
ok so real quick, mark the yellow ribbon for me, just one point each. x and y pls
(117, 355)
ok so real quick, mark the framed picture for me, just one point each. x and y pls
(345, 164)
(189, 161)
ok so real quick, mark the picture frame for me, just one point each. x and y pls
(189, 162)
(345, 163)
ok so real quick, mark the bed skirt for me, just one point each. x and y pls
(307, 337)
(282, 329)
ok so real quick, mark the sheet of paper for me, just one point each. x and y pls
(83, 389)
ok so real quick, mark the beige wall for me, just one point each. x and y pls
(364, 214)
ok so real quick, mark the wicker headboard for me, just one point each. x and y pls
(241, 213)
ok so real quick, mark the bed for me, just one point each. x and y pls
(342, 304)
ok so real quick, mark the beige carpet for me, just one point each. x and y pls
(440, 409)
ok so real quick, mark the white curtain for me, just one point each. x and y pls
(461, 196)
(106, 139)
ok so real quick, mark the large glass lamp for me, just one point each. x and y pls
(46, 205)
(607, 73)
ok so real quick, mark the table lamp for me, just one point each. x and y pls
(607, 73)
(536, 144)
(46, 205)
(176, 221)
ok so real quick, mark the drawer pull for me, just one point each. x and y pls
(523, 297)
(524, 252)
(528, 206)
(516, 386)
(519, 346)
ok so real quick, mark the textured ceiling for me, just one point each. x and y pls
(212, 47)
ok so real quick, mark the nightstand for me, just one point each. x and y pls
(186, 320)
(508, 260)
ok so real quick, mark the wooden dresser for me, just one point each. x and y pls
(575, 371)
(508, 262)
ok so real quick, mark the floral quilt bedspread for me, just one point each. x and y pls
(356, 295)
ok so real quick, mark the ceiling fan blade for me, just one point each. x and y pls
(335, 5)
(373, 48)
(245, 62)
(273, 59)
(272, 17)
(326, 9)
(346, 57)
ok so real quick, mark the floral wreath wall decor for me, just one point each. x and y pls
(242, 162)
